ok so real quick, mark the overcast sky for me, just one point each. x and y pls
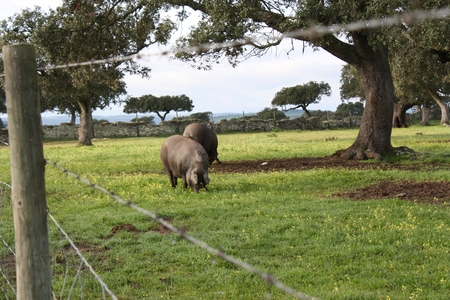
(249, 87)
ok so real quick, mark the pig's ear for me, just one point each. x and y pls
(198, 156)
(206, 178)
(194, 178)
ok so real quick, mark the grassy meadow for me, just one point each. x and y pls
(287, 224)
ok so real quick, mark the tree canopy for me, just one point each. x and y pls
(261, 25)
(81, 32)
(351, 85)
(301, 96)
(162, 105)
(349, 109)
(202, 116)
(421, 72)
(271, 114)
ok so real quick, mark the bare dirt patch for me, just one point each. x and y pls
(423, 192)
(159, 228)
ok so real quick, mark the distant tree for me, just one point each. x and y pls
(147, 119)
(79, 31)
(201, 116)
(301, 96)
(324, 115)
(161, 106)
(351, 84)
(349, 109)
(352, 88)
(99, 122)
(270, 114)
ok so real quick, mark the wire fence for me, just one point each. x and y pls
(7, 261)
(312, 31)
(264, 276)
(68, 261)
(70, 264)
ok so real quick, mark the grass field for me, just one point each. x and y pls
(287, 224)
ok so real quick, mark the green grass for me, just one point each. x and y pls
(285, 223)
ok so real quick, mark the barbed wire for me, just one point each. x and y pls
(4, 187)
(66, 236)
(407, 18)
(312, 31)
(83, 259)
(265, 276)
(5, 192)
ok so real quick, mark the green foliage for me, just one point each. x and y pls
(301, 96)
(99, 122)
(159, 105)
(80, 32)
(271, 114)
(262, 25)
(201, 116)
(288, 224)
(147, 119)
(349, 109)
(351, 85)
(324, 115)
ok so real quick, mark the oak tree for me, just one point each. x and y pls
(262, 23)
(161, 106)
(301, 96)
(349, 109)
(82, 31)
(271, 114)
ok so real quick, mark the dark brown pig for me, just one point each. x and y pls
(184, 158)
(206, 137)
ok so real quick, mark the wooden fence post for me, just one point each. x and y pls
(27, 173)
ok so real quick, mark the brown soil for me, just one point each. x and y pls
(425, 192)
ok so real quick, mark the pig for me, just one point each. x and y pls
(206, 137)
(184, 158)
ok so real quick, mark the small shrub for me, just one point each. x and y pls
(277, 129)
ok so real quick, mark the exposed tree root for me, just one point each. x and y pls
(403, 150)
(358, 154)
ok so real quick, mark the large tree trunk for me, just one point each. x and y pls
(73, 118)
(372, 62)
(442, 106)
(425, 115)
(85, 131)
(399, 120)
(374, 137)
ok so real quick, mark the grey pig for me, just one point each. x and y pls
(206, 137)
(184, 158)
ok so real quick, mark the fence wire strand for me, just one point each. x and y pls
(5, 204)
(84, 262)
(7, 238)
(265, 276)
(312, 31)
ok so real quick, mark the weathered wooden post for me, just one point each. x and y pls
(27, 173)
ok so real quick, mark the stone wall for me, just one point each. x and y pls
(124, 129)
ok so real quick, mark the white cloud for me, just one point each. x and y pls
(249, 87)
